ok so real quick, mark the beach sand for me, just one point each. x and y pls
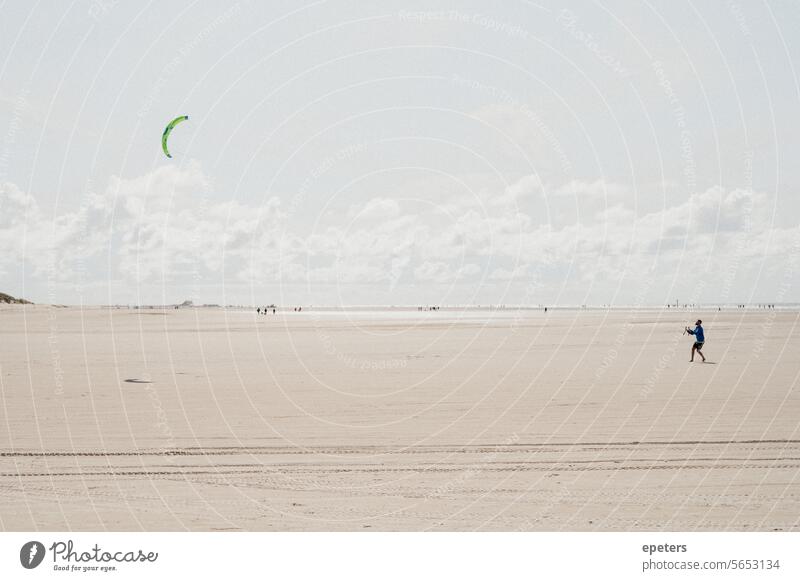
(214, 419)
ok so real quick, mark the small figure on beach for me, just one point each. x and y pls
(258, 310)
(699, 339)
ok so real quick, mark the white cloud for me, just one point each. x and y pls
(468, 271)
(526, 187)
(376, 208)
(503, 274)
(438, 272)
(170, 225)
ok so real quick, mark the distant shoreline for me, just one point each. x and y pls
(425, 308)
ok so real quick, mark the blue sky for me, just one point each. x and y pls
(400, 152)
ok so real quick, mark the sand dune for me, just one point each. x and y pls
(207, 419)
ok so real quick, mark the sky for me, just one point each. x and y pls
(400, 153)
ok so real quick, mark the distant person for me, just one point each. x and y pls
(258, 310)
(699, 339)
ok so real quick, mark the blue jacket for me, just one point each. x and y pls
(698, 333)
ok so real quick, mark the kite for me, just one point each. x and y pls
(168, 130)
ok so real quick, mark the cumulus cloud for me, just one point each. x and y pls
(526, 187)
(374, 209)
(504, 274)
(53, 246)
(170, 224)
(434, 272)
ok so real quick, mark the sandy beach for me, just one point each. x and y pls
(217, 419)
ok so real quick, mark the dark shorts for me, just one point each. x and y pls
(698, 345)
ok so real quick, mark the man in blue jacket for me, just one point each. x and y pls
(699, 339)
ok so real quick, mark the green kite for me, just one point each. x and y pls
(168, 130)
